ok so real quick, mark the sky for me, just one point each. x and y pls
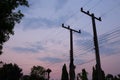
(40, 39)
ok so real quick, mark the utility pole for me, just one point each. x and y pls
(98, 64)
(72, 66)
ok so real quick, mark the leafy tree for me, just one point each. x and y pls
(10, 72)
(111, 77)
(119, 76)
(26, 77)
(9, 16)
(83, 75)
(115, 78)
(38, 72)
(48, 72)
(1, 63)
(64, 73)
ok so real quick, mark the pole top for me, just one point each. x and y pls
(90, 14)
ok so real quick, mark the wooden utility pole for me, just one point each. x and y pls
(72, 66)
(98, 64)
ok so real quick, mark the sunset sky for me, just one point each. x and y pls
(40, 39)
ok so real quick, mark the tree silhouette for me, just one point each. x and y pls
(119, 76)
(10, 72)
(9, 16)
(111, 77)
(64, 73)
(48, 72)
(38, 72)
(26, 77)
(95, 74)
(83, 75)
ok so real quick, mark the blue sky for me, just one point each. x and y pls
(40, 39)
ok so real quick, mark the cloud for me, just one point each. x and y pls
(25, 50)
(84, 40)
(60, 4)
(43, 14)
(37, 45)
(51, 59)
(109, 48)
(84, 44)
(109, 43)
(30, 48)
(35, 23)
(79, 61)
(84, 34)
(106, 51)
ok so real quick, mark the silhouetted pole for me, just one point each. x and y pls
(48, 71)
(72, 66)
(98, 64)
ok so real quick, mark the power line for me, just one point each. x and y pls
(116, 30)
(110, 10)
(109, 36)
(78, 11)
(87, 3)
(94, 6)
(105, 44)
(102, 38)
(94, 59)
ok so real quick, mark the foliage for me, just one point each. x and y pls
(111, 77)
(10, 72)
(9, 16)
(83, 75)
(64, 73)
(38, 72)
(25, 77)
(48, 72)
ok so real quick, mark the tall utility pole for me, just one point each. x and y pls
(98, 64)
(72, 66)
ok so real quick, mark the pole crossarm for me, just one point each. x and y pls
(70, 29)
(98, 63)
(88, 13)
(71, 65)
